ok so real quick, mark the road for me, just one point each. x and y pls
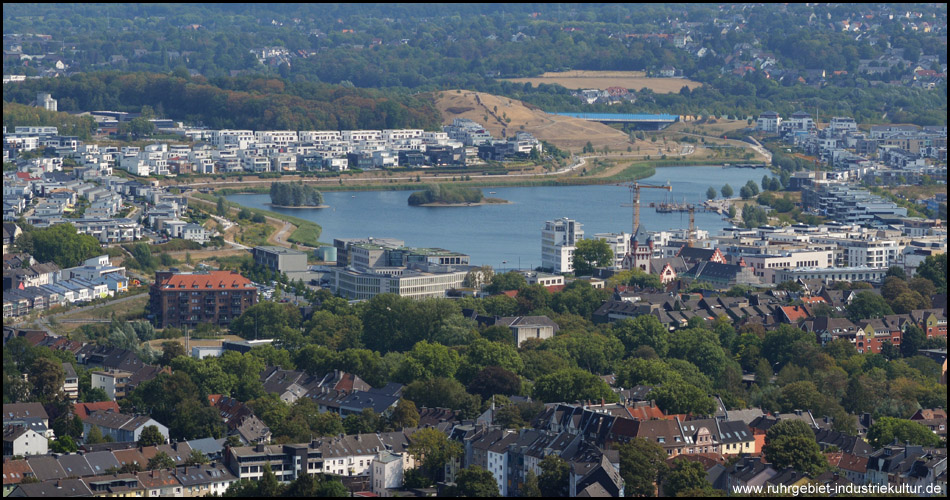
(761, 150)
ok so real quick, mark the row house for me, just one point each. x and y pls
(348, 456)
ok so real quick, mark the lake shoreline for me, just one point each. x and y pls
(499, 202)
(297, 206)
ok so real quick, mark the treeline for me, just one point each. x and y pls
(17, 115)
(444, 193)
(294, 194)
(249, 103)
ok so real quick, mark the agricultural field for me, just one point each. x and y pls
(632, 80)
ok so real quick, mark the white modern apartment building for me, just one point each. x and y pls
(873, 253)
(769, 122)
(558, 240)
(239, 139)
(765, 265)
(282, 138)
(619, 244)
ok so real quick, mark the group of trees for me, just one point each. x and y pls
(294, 194)
(59, 243)
(447, 194)
(250, 103)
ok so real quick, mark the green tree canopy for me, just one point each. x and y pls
(570, 385)
(475, 481)
(642, 465)
(589, 254)
(886, 429)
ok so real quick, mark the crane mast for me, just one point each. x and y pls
(635, 190)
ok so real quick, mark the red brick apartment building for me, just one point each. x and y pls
(187, 299)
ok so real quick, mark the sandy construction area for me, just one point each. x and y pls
(634, 80)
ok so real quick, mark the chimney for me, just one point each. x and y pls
(602, 402)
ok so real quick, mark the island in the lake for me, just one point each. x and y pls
(441, 195)
(295, 195)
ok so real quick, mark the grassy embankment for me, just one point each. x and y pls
(307, 232)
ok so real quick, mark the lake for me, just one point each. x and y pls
(509, 235)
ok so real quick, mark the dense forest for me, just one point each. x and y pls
(446, 194)
(294, 194)
(244, 102)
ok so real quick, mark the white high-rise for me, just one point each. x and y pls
(558, 241)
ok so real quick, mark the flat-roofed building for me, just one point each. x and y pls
(280, 259)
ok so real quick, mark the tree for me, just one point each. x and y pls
(495, 380)
(912, 340)
(555, 476)
(442, 392)
(678, 396)
(221, 207)
(570, 385)
(315, 486)
(590, 254)
(63, 444)
(934, 268)
(151, 436)
(475, 481)
(196, 457)
(264, 319)
(161, 460)
(686, 476)
(511, 280)
(367, 421)
(59, 243)
(727, 191)
(643, 330)
(47, 377)
(642, 465)
(433, 449)
(791, 443)
(404, 415)
(531, 487)
(886, 429)
(711, 193)
(94, 436)
(170, 350)
(868, 305)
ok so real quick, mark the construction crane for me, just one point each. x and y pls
(635, 190)
(690, 238)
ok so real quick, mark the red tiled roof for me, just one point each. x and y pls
(82, 410)
(795, 313)
(15, 471)
(214, 280)
(213, 399)
(813, 300)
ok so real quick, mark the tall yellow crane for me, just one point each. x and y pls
(691, 238)
(635, 188)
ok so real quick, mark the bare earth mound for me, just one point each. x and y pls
(563, 132)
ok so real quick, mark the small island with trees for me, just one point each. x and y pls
(295, 195)
(440, 195)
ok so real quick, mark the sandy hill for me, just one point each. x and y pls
(563, 132)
